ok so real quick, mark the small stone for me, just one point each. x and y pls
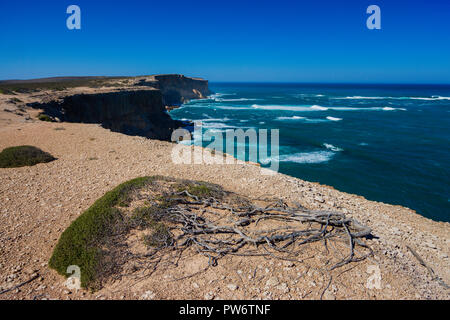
(329, 296)
(272, 282)
(283, 287)
(319, 199)
(31, 270)
(289, 264)
(195, 285)
(430, 244)
(232, 287)
(148, 295)
(209, 295)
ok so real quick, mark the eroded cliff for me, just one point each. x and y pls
(134, 106)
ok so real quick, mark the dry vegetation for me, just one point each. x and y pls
(175, 216)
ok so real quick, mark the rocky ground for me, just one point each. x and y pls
(39, 202)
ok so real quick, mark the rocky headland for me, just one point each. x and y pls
(134, 106)
(73, 119)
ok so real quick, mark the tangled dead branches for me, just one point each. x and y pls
(216, 226)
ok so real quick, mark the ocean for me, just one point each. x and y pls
(388, 143)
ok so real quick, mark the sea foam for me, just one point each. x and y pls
(334, 119)
(308, 157)
(329, 146)
(291, 118)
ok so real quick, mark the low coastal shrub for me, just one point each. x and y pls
(160, 236)
(92, 241)
(15, 100)
(44, 117)
(6, 91)
(200, 189)
(22, 156)
(60, 84)
(82, 243)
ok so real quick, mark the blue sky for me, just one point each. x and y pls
(298, 41)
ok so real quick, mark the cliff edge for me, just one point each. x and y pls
(130, 105)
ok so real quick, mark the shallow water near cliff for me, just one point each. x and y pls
(388, 143)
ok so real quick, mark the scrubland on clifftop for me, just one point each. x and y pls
(40, 202)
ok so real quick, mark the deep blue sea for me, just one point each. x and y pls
(388, 143)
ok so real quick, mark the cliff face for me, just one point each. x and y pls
(139, 112)
(176, 88)
(135, 108)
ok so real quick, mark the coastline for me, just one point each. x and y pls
(40, 202)
(43, 206)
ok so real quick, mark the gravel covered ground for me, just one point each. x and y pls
(39, 202)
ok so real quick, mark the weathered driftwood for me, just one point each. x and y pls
(215, 240)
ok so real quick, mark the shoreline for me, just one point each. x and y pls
(40, 202)
(81, 181)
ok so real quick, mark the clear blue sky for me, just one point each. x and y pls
(258, 40)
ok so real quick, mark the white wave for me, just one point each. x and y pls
(320, 108)
(308, 120)
(213, 119)
(334, 119)
(290, 108)
(280, 107)
(291, 118)
(357, 97)
(432, 98)
(217, 125)
(393, 109)
(234, 100)
(301, 95)
(232, 108)
(332, 148)
(308, 157)
(218, 95)
(303, 108)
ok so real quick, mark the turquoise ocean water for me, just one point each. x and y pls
(388, 143)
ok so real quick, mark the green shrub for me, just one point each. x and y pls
(147, 216)
(82, 242)
(6, 91)
(159, 237)
(44, 117)
(15, 100)
(200, 189)
(22, 156)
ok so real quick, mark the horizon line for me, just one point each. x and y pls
(246, 81)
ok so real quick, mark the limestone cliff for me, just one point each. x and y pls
(176, 88)
(134, 106)
(133, 112)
